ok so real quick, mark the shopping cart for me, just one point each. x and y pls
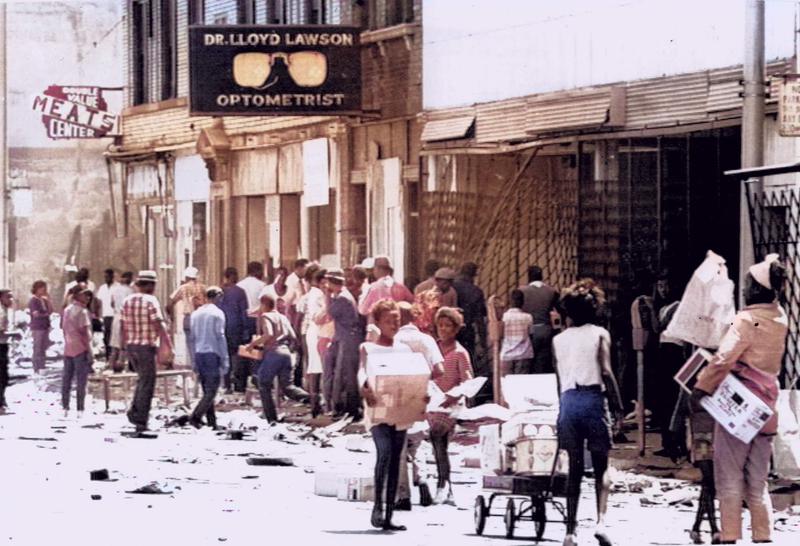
(528, 489)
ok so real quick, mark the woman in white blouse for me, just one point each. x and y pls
(583, 359)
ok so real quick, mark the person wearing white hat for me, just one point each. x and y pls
(191, 294)
(752, 350)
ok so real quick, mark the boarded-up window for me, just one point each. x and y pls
(290, 169)
(249, 230)
(255, 172)
(322, 229)
(290, 228)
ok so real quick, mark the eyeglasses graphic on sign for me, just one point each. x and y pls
(306, 68)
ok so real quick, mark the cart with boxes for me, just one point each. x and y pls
(523, 468)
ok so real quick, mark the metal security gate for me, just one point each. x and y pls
(775, 223)
(535, 221)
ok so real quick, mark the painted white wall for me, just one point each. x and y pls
(486, 50)
(77, 42)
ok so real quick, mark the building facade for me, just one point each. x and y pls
(58, 187)
(610, 166)
(218, 191)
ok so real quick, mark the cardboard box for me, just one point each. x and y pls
(253, 354)
(356, 489)
(400, 383)
(326, 484)
(737, 409)
(491, 450)
(687, 375)
(524, 392)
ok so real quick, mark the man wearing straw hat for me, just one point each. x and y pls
(142, 328)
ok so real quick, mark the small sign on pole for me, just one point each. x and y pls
(789, 106)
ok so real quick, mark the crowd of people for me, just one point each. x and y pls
(314, 329)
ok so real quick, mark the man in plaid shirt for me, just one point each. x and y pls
(142, 328)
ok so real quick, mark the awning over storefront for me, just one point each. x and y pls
(448, 129)
(708, 98)
(588, 109)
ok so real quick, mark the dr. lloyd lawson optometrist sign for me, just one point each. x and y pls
(258, 70)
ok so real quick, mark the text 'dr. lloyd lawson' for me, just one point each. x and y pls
(258, 70)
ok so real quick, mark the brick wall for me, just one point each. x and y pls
(173, 127)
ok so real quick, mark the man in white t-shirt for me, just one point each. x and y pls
(119, 292)
(294, 283)
(104, 295)
(252, 285)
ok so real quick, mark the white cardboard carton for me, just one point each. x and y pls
(326, 484)
(737, 409)
(491, 450)
(524, 392)
(356, 489)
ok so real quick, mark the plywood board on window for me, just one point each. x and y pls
(290, 169)
(256, 229)
(255, 172)
(238, 225)
(290, 228)
(359, 149)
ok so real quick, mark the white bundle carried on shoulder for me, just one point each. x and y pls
(707, 307)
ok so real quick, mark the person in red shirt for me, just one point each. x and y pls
(457, 369)
(78, 358)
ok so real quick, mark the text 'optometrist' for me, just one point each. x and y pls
(285, 100)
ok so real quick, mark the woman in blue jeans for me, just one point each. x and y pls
(583, 360)
(275, 335)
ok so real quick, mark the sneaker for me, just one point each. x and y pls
(441, 496)
(601, 534)
(450, 500)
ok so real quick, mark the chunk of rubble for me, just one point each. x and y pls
(270, 461)
(153, 488)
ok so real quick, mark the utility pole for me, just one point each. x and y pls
(752, 123)
(3, 154)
